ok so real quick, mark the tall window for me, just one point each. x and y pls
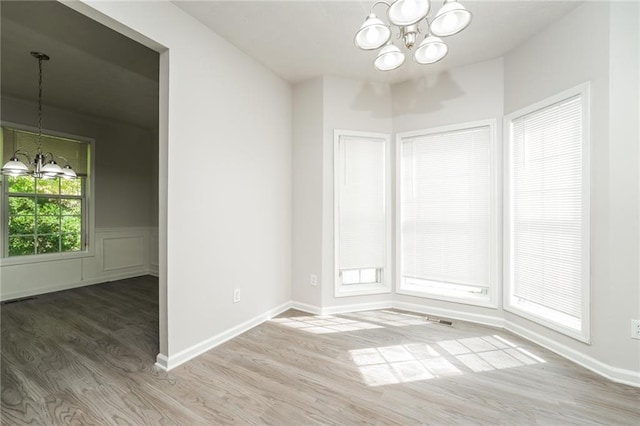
(447, 213)
(547, 223)
(43, 216)
(362, 216)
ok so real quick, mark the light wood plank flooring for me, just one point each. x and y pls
(85, 356)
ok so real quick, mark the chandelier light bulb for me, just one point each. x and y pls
(431, 50)
(409, 7)
(389, 58)
(450, 19)
(373, 33)
(408, 12)
(450, 22)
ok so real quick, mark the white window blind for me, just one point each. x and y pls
(66, 150)
(547, 212)
(361, 209)
(446, 213)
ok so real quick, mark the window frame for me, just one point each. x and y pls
(88, 233)
(583, 335)
(385, 285)
(491, 299)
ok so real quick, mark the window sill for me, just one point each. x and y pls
(579, 335)
(42, 258)
(361, 290)
(482, 301)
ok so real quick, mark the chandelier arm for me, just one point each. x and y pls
(24, 154)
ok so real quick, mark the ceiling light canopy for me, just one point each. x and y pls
(407, 16)
(44, 163)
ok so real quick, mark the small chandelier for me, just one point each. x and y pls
(406, 15)
(44, 165)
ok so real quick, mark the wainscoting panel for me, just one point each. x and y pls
(123, 252)
(118, 253)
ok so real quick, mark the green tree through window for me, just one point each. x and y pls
(44, 216)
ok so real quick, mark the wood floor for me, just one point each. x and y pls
(85, 356)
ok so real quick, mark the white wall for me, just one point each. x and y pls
(465, 94)
(225, 168)
(598, 43)
(123, 243)
(307, 191)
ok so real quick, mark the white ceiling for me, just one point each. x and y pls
(302, 39)
(97, 71)
(93, 70)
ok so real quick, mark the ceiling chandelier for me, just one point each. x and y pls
(44, 165)
(406, 15)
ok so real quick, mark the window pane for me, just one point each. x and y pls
(49, 243)
(446, 212)
(70, 207)
(19, 246)
(48, 224)
(46, 186)
(369, 275)
(22, 206)
(24, 184)
(351, 277)
(71, 186)
(71, 224)
(71, 242)
(22, 225)
(48, 207)
(546, 275)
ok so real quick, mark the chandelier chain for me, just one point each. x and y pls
(39, 102)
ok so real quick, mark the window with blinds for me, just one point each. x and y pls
(547, 213)
(446, 229)
(44, 216)
(362, 230)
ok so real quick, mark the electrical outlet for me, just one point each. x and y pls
(236, 295)
(313, 279)
(635, 329)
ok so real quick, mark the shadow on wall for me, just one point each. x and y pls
(424, 95)
(373, 98)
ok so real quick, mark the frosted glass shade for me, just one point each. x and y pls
(431, 50)
(450, 19)
(15, 167)
(68, 172)
(389, 58)
(51, 169)
(408, 12)
(372, 34)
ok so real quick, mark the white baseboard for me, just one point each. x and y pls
(493, 321)
(310, 309)
(340, 309)
(356, 307)
(172, 361)
(68, 286)
(615, 374)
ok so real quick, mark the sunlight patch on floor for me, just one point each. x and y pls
(389, 365)
(389, 318)
(324, 324)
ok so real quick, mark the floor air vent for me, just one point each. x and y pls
(439, 321)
